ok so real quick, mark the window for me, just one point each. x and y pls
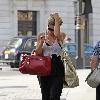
(29, 45)
(16, 42)
(27, 22)
(72, 48)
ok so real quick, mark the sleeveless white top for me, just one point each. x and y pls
(55, 48)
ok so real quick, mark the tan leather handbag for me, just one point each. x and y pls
(71, 77)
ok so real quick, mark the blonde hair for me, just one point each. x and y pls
(51, 20)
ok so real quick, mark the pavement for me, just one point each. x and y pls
(17, 86)
(83, 91)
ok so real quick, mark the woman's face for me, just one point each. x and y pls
(51, 30)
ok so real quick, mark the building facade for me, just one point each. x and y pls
(21, 17)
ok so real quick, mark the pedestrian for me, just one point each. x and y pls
(94, 63)
(49, 44)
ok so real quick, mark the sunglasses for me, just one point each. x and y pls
(50, 29)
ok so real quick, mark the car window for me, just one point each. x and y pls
(29, 45)
(71, 48)
(15, 42)
(88, 49)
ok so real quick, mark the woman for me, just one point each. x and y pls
(49, 44)
(95, 59)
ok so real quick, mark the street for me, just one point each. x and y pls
(17, 86)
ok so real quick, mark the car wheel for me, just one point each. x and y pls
(12, 66)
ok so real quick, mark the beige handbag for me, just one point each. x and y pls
(93, 79)
(71, 77)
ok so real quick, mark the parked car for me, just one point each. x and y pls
(72, 50)
(17, 46)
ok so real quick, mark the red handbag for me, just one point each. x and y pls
(35, 65)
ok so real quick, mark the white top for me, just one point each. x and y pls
(55, 48)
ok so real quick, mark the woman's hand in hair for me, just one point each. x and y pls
(56, 17)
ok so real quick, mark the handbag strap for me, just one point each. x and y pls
(33, 52)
